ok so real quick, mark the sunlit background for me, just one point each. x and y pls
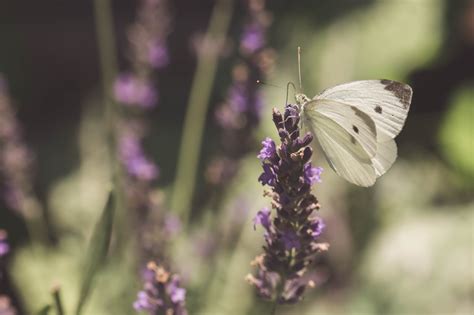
(404, 246)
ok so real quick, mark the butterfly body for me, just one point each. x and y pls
(355, 124)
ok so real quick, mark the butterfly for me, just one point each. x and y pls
(355, 124)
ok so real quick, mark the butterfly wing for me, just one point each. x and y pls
(386, 155)
(348, 152)
(386, 102)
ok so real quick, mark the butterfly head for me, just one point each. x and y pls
(301, 99)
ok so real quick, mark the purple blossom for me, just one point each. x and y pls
(132, 91)
(238, 98)
(172, 224)
(158, 55)
(16, 161)
(268, 177)
(253, 38)
(292, 236)
(262, 218)
(6, 308)
(134, 159)
(162, 293)
(290, 240)
(240, 113)
(317, 227)
(312, 175)
(4, 247)
(268, 150)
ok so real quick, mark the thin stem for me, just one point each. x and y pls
(108, 66)
(197, 108)
(57, 301)
(274, 308)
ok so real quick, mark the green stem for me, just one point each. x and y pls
(57, 301)
(108, 66)
(197, 108)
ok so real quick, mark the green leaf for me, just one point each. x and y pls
(97, 251)
(45, 310)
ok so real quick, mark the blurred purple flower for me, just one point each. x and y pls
(132, 91)
(158, 55)
(172, 224)
(6, 308)
(162, 293)
(292, 236)
(253, 38)
(16, 161)
(134, 159)
(4, 247)
(240, 112)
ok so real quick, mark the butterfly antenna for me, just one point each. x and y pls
(299, 67)
(269, 84)
(288, 89)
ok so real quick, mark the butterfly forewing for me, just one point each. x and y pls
(386, 102)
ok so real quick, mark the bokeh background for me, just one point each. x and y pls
(404, 246)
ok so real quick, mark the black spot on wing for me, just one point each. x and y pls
(355, 129)
(378, 109)
(402, 91)
(366, 118)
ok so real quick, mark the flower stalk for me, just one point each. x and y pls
(191, 140)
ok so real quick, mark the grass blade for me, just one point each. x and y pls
(97, 251)
(45, 310)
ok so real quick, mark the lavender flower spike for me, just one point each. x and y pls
(162, 294)
(291, 236)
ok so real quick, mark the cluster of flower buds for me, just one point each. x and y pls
(292, 232)
(162, 294)
(239, 115)
(16, 161)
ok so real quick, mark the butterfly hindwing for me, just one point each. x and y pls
(385, 157)
(386, 102)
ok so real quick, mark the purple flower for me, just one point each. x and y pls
(317, 227)
(292, 236)
(6, 308)
(290, 240)
(268, 150)
(177, 294)
(262, 218)
(253, 38)
(162, 293)
(268, 177)
(134, 159)
(158, 55)
(4, 247)
(240, 113)
(132, 91)
(172, 224)
(238, 99)
(312, 175)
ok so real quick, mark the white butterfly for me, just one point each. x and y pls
(355, 124)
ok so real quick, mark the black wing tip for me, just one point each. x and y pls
(402, 91)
